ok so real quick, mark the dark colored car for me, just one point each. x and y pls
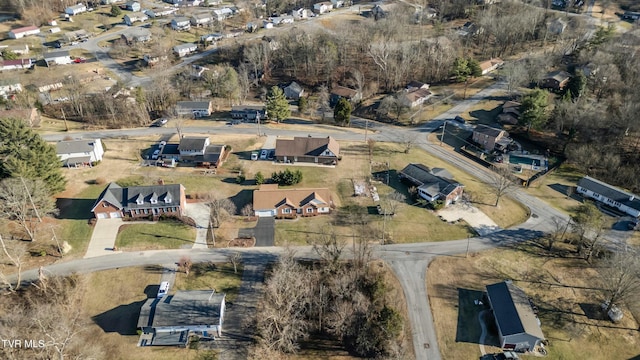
(460, 119)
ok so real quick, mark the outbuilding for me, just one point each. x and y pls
(19, 33)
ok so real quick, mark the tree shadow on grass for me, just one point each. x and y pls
(468, 329)
(122, 319)
(76, 209)
(241, 199)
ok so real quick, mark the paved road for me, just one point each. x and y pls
(264, 231)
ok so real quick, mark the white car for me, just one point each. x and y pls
(155, 154)
(263, 155)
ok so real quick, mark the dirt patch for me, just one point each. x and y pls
(243, 242)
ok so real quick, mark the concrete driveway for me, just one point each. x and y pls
(200, 213)
(103, 237)
(478, 220)
(264, 231)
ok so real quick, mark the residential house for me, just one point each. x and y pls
(19, 33)
(181, 23)
(171, 320)
(248, 113)
(338, 92)
(77, 35)
(490, 138)
(135, 17)
(293, 91)
(191, 146)
(9, 89)
(415, 85)
(300, 13)
(17, 64)
(432, 184)
(132, 6)
(136, 35)
(337, 3)
(528, 161)
(151, 59)
(160, 12)
(323, 7)
(281, 20)
(185, 49)
(517, 322)
(212, 158)
(54, 30)
(470, 29)
(57, 58)
(324, 150)
(201, 19)
(75, 9)
(198, 71)
(174, 2)
(195, 109)
(609, 195)
(378, 12)
(222, 14)
(557, 26)
(211, 37)
(269, 200)
(490, 65)
(415, 97)
(110, 2)
(211, 2)
(556, 80)
(510, 113)
(73, 153)
(140, 201)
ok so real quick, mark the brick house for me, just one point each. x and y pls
(269, 200)
(140, 201)
(432, 184)
(308, 149)
(489, 137)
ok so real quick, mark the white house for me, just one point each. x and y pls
(337, 3)
(194, 108)
(75, 9)
(491, 65)
(132, 6)
(610, 195)
(280, 20)
(15, 64)
(267, 24)
(181, 23)
(193, 146)
(185, 49)
(160, 12)
(301, 13)
(201, 19)
(170, 322)
(323, 7)
(221, 14)
(19, 33)
(79, 152)
(135, 17)
(54, 30)
(57, 58)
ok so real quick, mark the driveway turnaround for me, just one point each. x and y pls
(200, 213)
(264, 231)
(103, 237)
(479, 221)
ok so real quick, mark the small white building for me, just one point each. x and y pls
(280, 20)
(75, 9)
(135, 17)
(181, 23)
(132, 6)
(160, 12)
(301, 13)
(267, 24)
(609, 195)
(221, 14)
(54, 30)
(337, 3)
(57, 58)
(201, 19)
(323, 7)
(79, 152)
(185, 49)
(19, 33)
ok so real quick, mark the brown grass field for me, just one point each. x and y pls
(563, 288)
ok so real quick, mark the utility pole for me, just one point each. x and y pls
(57, 242)
(258, 121)
(468, 240)
(64, 118)
(442, 135)
(366, 129)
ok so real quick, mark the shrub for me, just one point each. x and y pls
(259, 178)
(240, 179)
(100, 181)
(437, 205)
(287, 177)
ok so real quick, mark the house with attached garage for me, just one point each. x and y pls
(325, 150)
(490, 65)
(517, 322)
(185, 49)
(195, 109)
(173, 319)
(609, 195)
(140, 201)
(74, 153)
(75, 9)
(160, 12)
(432, 184)
(269, 200)
(57, 58)
(490, 138)
(19, 33)
(415, 94)
(136, 35)
(135, 17)
(192, 146)
(248, 112)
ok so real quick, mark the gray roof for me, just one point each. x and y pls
(193, 105)
(512, 310)
(186, 46)
(74, 146)
(179, 19)
(125, 198)
(212, 153)
(294, 86)
(185, 308)
(610, 192)
(425, 178)
(56, 54)
(192, 143)
(487, 130)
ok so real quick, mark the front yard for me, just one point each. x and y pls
(163, 234)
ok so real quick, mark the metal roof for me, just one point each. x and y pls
(512, 310)
(610, 192)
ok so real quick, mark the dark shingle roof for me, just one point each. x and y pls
(192, 143)
(423, 177)
(611, 192)
(126, 198)
(193, 105)
(74, 146)
(487, 130)
(194, 307)
(512, 310)
(306, 146)
(56, 54)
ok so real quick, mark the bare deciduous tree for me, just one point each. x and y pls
(620, 278)
(502, 182)
(25, 201)
(247, 210)
(328, 244)
(14, 253)
(235, 258)
(220, 207)
(185, 264)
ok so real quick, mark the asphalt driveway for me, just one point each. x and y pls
(264, 231)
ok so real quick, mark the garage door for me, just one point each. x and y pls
(102, 215)
(114, 215)
(264, 213)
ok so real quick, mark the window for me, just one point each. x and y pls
(154, 201)
(286, 211)
(104, 204)
(309, 210)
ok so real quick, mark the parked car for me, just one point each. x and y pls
(263, 155)
(272, 154)
(155, 154)
(460, 119)
(79, 60)
(160, 122)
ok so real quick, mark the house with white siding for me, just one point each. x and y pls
(79, 152)
(609, 195)
(19, 33)
(75, 9)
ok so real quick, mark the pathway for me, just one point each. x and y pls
(200, 213)
(103, 238)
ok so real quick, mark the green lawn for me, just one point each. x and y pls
(204, 276)
(164, 234)
(74, 216)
